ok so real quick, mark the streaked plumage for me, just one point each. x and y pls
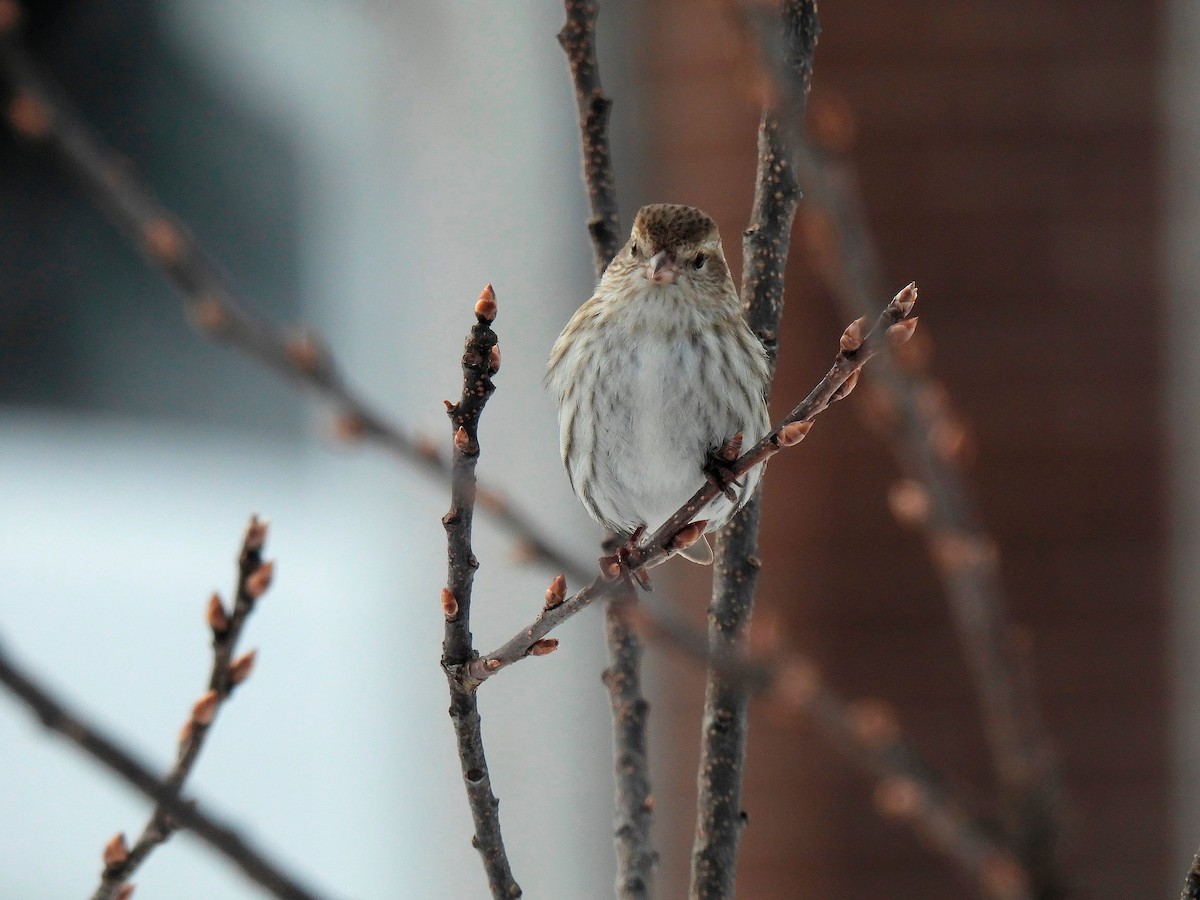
(655, 372)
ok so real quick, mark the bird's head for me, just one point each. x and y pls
(673, 244)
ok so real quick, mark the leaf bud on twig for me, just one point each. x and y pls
(449, 604)
(462, 442)
(205, 708)
(903, 330)
(847, 386)
(793, 433)
(688, 534)
(852, 337)
(543, 647)
(218, 619)
(557, 592)
(494, 359)
(240, 668)
(116, 851)
(256, 533)
(906, 299)
(485, 306)
(909, 502)
(259, 580)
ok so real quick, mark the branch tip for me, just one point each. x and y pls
(205, 708)
(449, 604)
(241, 668)
(543, 647)
(485, 306)
(906, 298)
(256, 534)
(116, 851)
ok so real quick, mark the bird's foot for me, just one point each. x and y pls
(717, 466)
(618, 564)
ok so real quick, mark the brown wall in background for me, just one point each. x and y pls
(1007, 157)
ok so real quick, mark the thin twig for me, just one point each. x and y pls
(636, 857)
(186, 812)
(895, 324)
(578, 40)
(719, 818)
(480, 361)
(928, 441)
(36, 111)
(254, 577)
(865, 732)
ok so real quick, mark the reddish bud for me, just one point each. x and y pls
(259, 580)
(494, 359)
(557, 592)
(485, 306)
(852, 337)
(306, 353)
(793, 433)
(688, 534)
(951, 441)
(795, 683)
(350, 427)
(874, 722)
(240, 668)
(462, 441)
(901, 332)
(898, 797)
(218, 619)
(648, 803)
(116, 851)
(491, 664)
(162, 240)
(124, 892)
(906, 299)
(205, 708)
(610, 568)
(543, 647)
(909, 502)
(847, 386)
(449, 604)
(28, 116)
(208, 315)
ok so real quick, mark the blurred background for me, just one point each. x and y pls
(365, 167)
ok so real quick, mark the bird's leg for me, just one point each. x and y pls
(718, 463)
(617, 564)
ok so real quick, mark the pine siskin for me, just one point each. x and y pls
(655, 375)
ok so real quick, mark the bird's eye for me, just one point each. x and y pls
(699, 261)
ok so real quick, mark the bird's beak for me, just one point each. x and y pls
(662, 267)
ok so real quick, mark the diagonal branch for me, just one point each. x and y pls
(866, 733)
(37, 113)
(480, 361)
(186, 812)
(927, 441)
(254, 578)
(719, 818)
(895, 324)
(636, 858)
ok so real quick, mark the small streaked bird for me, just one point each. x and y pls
(658, 379)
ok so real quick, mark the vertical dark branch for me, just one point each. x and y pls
(719, 817)
(578, 40)
(636, 858)
(479, 362)
(1191, 886)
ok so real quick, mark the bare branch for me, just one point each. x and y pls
(894, 323)
(636, 858)
(928, 442)
(254, 577)
(578, 40)
(866, 733)
(37, 113)
(719, 819)
(1191, 885)
(185, 812)
(477, 363)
